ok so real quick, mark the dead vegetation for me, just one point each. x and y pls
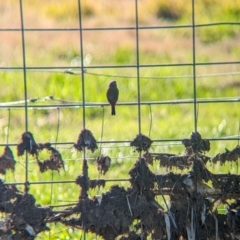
(135, 212)
(86, 140)
(7, 160)
(54, 162)
(24, 219)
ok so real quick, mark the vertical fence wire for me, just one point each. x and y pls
(194, 66)
(8, 127)
(25, 89)
(83, 85)
(138, 67)
(52, 175)
(7, 132)
(56, 140)
(82, 74)
(138, 84)
(151, 120)
(82, 63)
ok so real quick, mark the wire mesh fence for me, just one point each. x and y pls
(177, 69)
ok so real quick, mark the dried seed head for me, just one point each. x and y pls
(86, 139)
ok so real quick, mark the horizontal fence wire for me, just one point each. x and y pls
(123, 66)
(121, 28)
(171, 141)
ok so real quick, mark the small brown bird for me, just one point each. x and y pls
(112, 95)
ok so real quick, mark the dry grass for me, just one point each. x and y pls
(58, 47)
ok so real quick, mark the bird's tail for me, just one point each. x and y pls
(113, 110)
